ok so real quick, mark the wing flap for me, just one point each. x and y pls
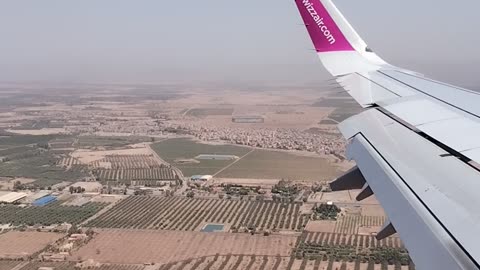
(418, 188)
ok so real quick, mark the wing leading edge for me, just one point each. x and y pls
(416, 147)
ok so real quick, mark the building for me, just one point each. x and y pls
(37, 195)
(44, 200)
(201, 177)
(12, 197)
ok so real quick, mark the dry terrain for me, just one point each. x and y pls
(140, 246)
(86, 156)
(16, 244)
(71, 266)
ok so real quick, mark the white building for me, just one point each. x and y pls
(201, 177)
(12, 197)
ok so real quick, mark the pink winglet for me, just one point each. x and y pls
(323, 30)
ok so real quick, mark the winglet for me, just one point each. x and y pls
(340, 48)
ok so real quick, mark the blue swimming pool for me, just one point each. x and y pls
(213, 228)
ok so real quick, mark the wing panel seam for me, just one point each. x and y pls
(434, 97)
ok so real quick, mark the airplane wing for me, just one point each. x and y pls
(416, 146)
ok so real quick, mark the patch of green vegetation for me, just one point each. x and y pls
(210, 111)
(174, 149)
(285, 189)
(239, 190)
(47, 215)
(325, 212)
(41, 167)
(265, 164)
(22, 140)
(342, 247)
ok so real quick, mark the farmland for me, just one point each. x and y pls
(35, 162)
(71, 266)
(252, 262)
(128, 162)
(145, 175)
(23, 140)
(175, 213)
(175, 149)
(346, 247)
(47, 215)
(210, 111)
(8, 265)
(14, 245)
(259, 164)
(264, 164)
(122, 246)
(350, 224)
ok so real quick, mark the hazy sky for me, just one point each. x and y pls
(153, 41)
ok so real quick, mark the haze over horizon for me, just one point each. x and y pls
(223, 41)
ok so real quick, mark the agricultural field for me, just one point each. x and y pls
(69, 161)
(174, 149)
(8, 265)
(15, 245)
(41, 167)
(350, 224)
(351, 248)
(71, 266)
(28, 156)
(14, 140)
(185, 214)
(129, 175)
(201, 112)
(127, 162)
(53, 213)
(252, 262)
(122, 246)
(264, 164)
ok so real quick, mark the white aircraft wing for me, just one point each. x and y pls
(417, 145)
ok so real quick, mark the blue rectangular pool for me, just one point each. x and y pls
(213, 228)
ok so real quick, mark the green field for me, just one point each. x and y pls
(173, 149)
(276, 165)
(22, 140)
(210, 111)
(53, 213)
(257, 164)
(23, 157)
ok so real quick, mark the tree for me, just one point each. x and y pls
(17, 185)
(90, 233)
(190, 194)
(73, 229)
(71, 189)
